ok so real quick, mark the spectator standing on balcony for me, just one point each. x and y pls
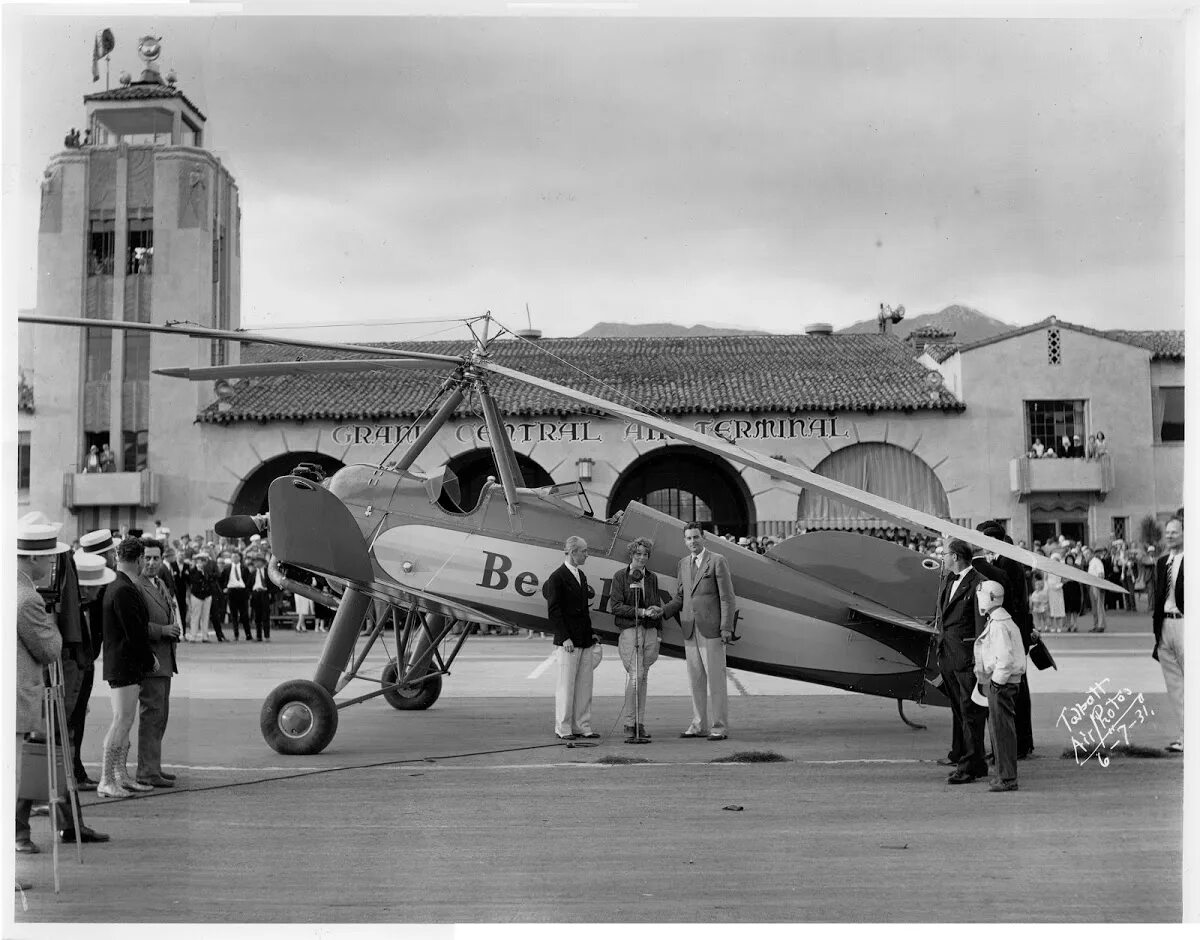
(1076, 446)
(91, 463)
(108, 460)
(1101, 444)
(1090, 451)
(1039, 449)
(1064, 446)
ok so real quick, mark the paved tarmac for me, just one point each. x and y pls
(471, 812)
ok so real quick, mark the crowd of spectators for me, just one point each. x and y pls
(1070, 447)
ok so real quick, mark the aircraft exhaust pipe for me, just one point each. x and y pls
(284, 583)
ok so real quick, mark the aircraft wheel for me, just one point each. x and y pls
(413, 698)
(299, 717)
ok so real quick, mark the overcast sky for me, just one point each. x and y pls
(761, 172)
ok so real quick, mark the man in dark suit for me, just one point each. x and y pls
(1168, 621)
(262, 593)
(154, 693)
(173, 563)
(235, 582)
(707, 606)
(566, 593)
(1010, 575)
(957, 621)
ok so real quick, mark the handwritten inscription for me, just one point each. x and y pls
(1103, 719)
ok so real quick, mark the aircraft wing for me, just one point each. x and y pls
(877, 505)
(431, 603)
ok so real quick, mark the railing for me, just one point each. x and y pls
(1063, 474)
(81, 490)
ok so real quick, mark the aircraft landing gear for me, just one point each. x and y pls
(411, 697)
(299, 717)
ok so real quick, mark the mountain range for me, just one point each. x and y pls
(967, 324)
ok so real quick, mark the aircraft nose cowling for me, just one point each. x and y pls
(312, 528)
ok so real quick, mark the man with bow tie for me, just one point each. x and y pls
(957, 622)
(1168, 621)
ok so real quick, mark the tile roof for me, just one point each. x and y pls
(668, 375)
(1163, 344)
(143, 91)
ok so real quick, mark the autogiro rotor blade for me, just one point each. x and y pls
(320, 366)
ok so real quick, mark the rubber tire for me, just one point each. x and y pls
(319, 702)
(422, 697)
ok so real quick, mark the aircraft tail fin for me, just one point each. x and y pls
(894, 577)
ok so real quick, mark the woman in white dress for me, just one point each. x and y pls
(1054, 597)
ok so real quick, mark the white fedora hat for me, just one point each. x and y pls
(93, 572)
(37, 535)
(97, 542)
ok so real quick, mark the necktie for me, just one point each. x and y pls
(1171, 578)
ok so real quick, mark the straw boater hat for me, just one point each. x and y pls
(37, 535)
(93, 572)
(97, 542)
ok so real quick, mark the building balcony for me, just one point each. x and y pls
(1065, 474)
(85, 490)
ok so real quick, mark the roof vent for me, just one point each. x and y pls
(819, 329)
(530, 334)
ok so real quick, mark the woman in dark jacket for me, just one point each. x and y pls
(1073, 595)
(637, 611)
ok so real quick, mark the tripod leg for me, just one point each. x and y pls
(72, 786)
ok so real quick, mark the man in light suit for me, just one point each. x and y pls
(958, 625)
(705, 603)
(235, 582)
(1168, 621)
(566, 593)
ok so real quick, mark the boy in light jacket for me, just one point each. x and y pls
(999, 666)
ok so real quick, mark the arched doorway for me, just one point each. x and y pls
(689, 484)
(881, 469)
(251, 497)
(473, 467)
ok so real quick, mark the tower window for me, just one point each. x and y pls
(141, 246)
(102, 246)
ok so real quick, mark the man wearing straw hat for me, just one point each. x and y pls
(76, 658)
(98, 544)
(38, 641)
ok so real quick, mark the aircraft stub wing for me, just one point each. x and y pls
(860, 499)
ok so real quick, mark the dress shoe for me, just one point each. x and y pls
(591, 735)
(167, 776)
(86, 784)
(947, 762)
(19, 885)
(694, 734)
(86, 834)
(1001, 787)
(1025, 755)
(957, 778)
(26, 847)
(717, 736)
(566, 737)
(156, 781)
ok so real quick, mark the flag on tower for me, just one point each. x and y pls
(103, 45)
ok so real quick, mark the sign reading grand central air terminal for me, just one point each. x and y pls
(598, 431)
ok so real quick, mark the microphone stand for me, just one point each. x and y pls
(639, 639)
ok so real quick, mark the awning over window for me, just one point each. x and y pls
(882, 469)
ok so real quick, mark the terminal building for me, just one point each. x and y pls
(141, 223)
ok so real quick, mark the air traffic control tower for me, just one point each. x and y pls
(139, 222)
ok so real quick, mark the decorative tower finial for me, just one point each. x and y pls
(149, 49)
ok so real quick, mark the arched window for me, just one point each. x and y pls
(881, 469)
